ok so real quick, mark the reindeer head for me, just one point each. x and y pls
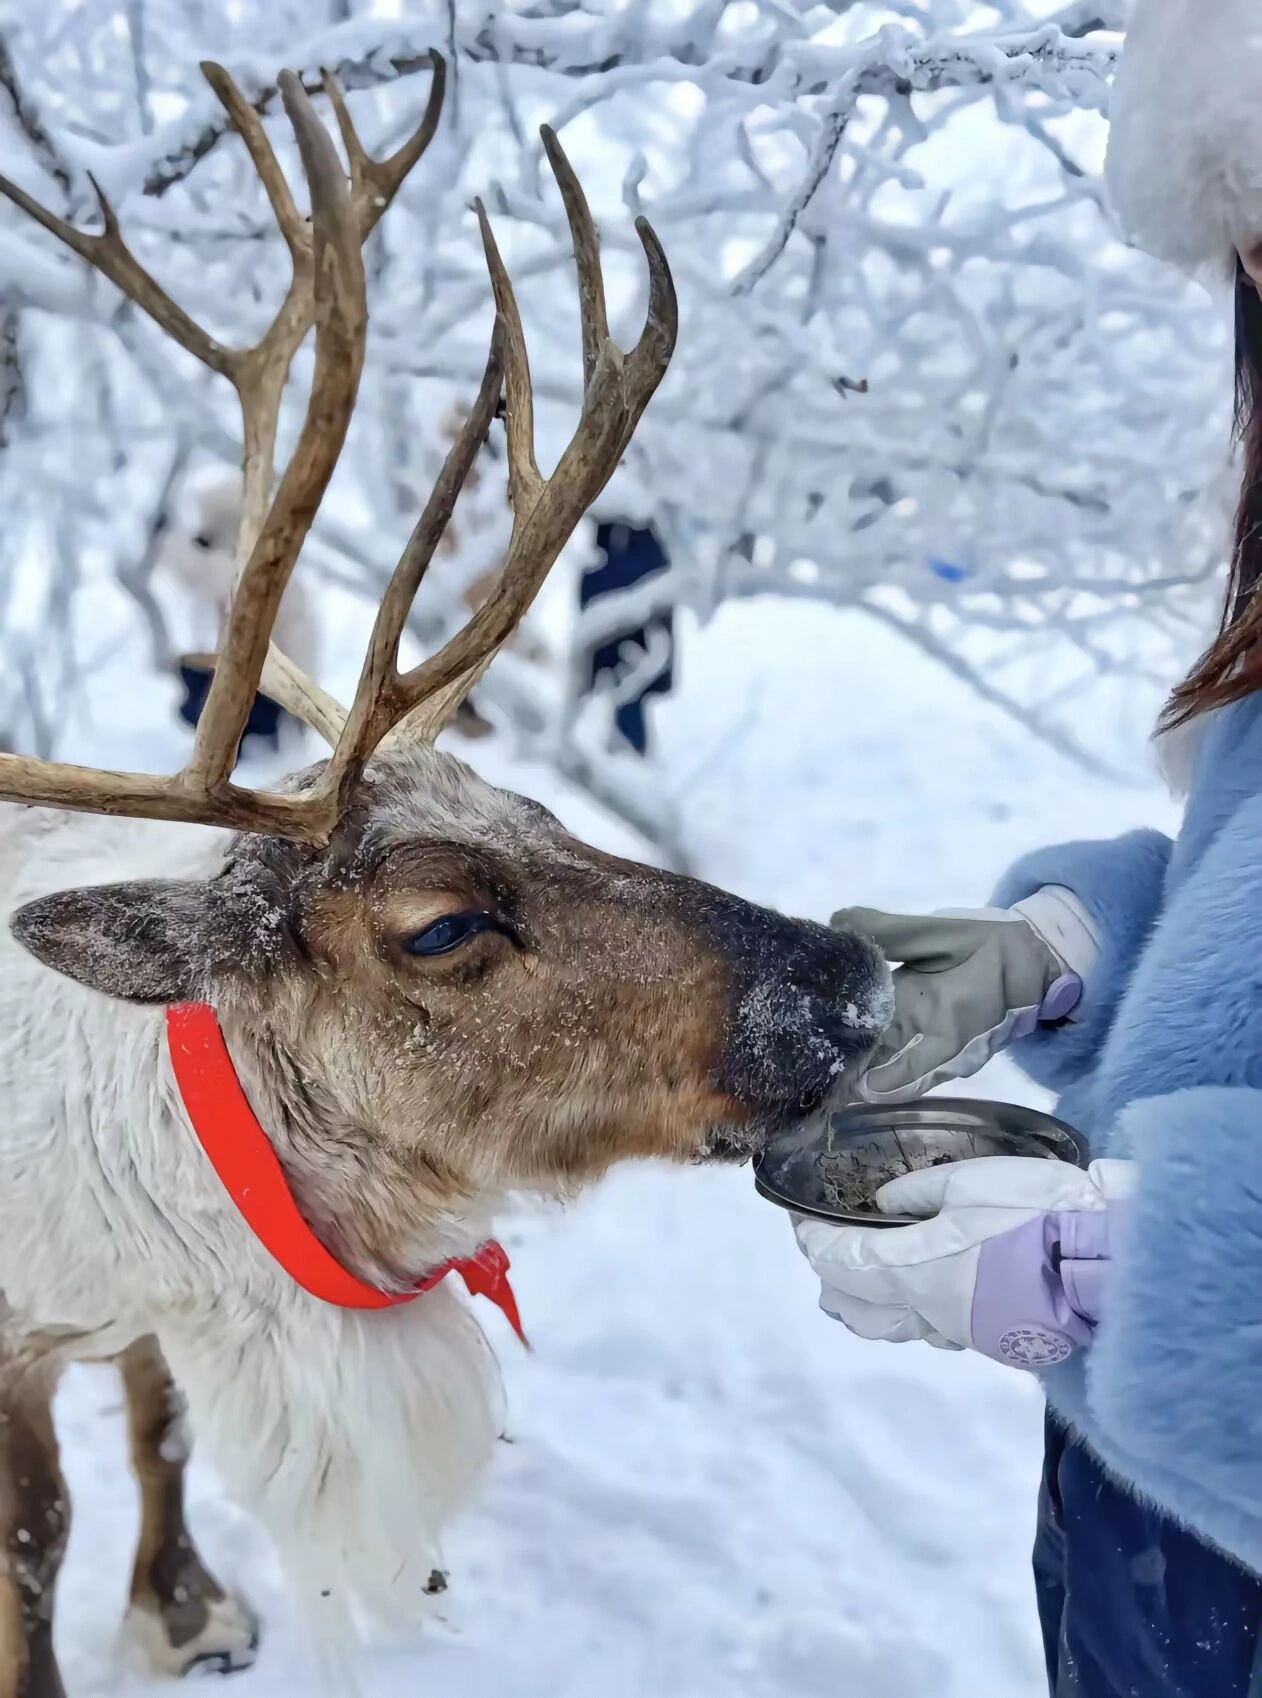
(433, 992)
(455, 999)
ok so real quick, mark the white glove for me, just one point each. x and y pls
(1011, 1257)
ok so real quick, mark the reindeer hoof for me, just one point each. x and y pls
(225, 1641)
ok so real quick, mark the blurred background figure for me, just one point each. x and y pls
(198, 562)
(637, 662)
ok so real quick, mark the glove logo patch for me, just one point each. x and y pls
(1034, 1347)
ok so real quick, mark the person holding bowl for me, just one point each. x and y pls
(1127, 978)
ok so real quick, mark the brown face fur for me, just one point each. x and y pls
(602, 1011)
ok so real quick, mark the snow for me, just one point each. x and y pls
(710, 1487)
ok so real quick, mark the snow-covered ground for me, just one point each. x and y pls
(712, 1491)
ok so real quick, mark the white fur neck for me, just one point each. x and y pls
(351, 1435)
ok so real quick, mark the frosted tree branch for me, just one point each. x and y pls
(917, 372)
(28, 118)
(1047, 59)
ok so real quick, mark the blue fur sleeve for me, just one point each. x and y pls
(1120, 884)
(1174, 1380)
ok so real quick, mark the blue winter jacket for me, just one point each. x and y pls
(1163, 1063)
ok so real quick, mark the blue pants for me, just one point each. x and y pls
(1132, 1605)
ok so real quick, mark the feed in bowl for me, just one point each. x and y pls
(833, 1166)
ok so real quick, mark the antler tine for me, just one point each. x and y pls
(591, 281)
(250, 128)
(616, 391)
(525, 482)
(377, 705)
(375, 182)
(356, 154)
(433, 691)
(341, 324)
(109, 254)
(285, 683)
(647, 361)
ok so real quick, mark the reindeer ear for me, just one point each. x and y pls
(143, 942)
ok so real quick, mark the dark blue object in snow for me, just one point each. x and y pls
(631, 554)
(265, 716)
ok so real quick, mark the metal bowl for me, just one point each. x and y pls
(832, 1166)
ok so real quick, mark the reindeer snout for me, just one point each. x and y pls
(809, 1006)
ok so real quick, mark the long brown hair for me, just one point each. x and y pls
(1231, 667)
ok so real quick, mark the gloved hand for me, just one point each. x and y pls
(971, 982)
(1011, 1257)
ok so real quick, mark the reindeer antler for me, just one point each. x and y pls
(618, 387)
(327, 289)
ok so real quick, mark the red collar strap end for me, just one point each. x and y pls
(250, 1171)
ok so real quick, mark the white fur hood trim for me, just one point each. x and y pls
(1184, 168)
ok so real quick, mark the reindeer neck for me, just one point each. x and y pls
(384, 1214)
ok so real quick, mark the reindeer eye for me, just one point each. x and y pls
(448, 934)
(201, 540)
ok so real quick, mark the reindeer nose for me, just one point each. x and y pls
(809, 1004)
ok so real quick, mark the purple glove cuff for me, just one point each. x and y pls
(1062, 998)
(1041, 1288)
(1088, 1242)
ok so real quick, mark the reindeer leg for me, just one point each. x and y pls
(34, 1522)
(179, 1613)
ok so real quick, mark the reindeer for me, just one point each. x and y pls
(432, 997)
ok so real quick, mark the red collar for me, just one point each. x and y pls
(240, 1153)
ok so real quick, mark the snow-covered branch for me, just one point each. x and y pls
(624, 49)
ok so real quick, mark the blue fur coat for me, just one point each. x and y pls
(1163, 1063)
